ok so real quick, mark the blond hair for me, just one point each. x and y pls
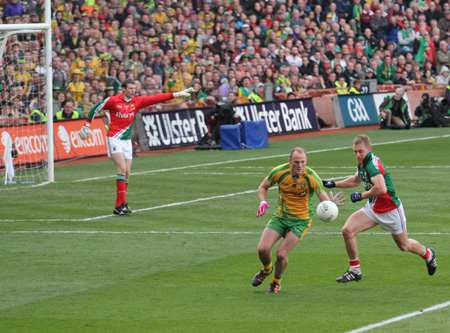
(362, 139)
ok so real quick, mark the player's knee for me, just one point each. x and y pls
(281, 255)
(403, 247)
(263, 249)
(347, 232)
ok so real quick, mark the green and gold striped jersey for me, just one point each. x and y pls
(295, 193)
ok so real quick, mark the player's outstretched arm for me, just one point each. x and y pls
(184, 93)
(350, 182)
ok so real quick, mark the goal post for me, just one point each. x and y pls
(40, 141)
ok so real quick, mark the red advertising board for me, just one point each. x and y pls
(30, 140)
(69, 145)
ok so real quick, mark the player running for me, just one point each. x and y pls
(297, 184)
(384, 208)
(122, 111)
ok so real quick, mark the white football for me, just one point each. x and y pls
(327, 211)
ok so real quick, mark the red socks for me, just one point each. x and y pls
(354, 265)
(427, 254)
(121, 186)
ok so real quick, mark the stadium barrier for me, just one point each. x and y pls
(167, 129)
(30, 141)
(185, 127)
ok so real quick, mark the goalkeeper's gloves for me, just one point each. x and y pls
(84, 133)
(356, 196)
(184, 93)
(328, 183)
(338, 199)
(262, 208)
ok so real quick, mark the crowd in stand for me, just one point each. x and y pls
(223, 48)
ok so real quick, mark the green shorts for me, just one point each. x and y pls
(283, 225)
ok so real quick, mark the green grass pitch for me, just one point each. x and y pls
(185, 259)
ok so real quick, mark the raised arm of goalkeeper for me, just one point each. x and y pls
(117, 104)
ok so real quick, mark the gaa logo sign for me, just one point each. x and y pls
(357, 110)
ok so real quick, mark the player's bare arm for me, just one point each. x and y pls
(350, 182)
(378, 189)
(262, 190)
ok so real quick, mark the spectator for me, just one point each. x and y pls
(14, 8)
(76, 86)
(429, 112)
(356, 89)
(39, 114)
(341, 86)
(379, 24)
(133, 63)
(67, 112)
(386, 72)
(85, 105)
(59, 76)
(444, 23)
(432, 13)
(18, 107)
(443, 77)
(244, 89)
(394, 111)
(257, 96)
(406, 38)
(442, 55)
(174, 83)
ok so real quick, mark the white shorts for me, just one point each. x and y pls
(393, 221)
(120, 146)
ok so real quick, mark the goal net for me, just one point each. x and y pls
(24, 96)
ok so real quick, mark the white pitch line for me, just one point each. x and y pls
(399, 318)
(143, 232)
(138, 210)
(259, 158)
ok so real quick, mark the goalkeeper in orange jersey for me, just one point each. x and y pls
(297, 183)
(122, 111)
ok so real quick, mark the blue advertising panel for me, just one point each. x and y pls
(158, 130)
(282, 117)
(358, 110)
(172, 128)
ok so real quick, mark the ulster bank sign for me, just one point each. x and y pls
(358, 110)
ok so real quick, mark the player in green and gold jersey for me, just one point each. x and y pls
(297, 184)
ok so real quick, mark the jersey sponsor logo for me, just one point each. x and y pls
(124, 115)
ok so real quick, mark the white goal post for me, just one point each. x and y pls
(9, 30)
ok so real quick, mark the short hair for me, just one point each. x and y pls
(298, 150)
(362, 139)
(126, 82)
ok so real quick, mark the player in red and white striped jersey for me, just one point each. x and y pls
(122, 110)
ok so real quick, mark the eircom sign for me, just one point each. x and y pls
(358, 110)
